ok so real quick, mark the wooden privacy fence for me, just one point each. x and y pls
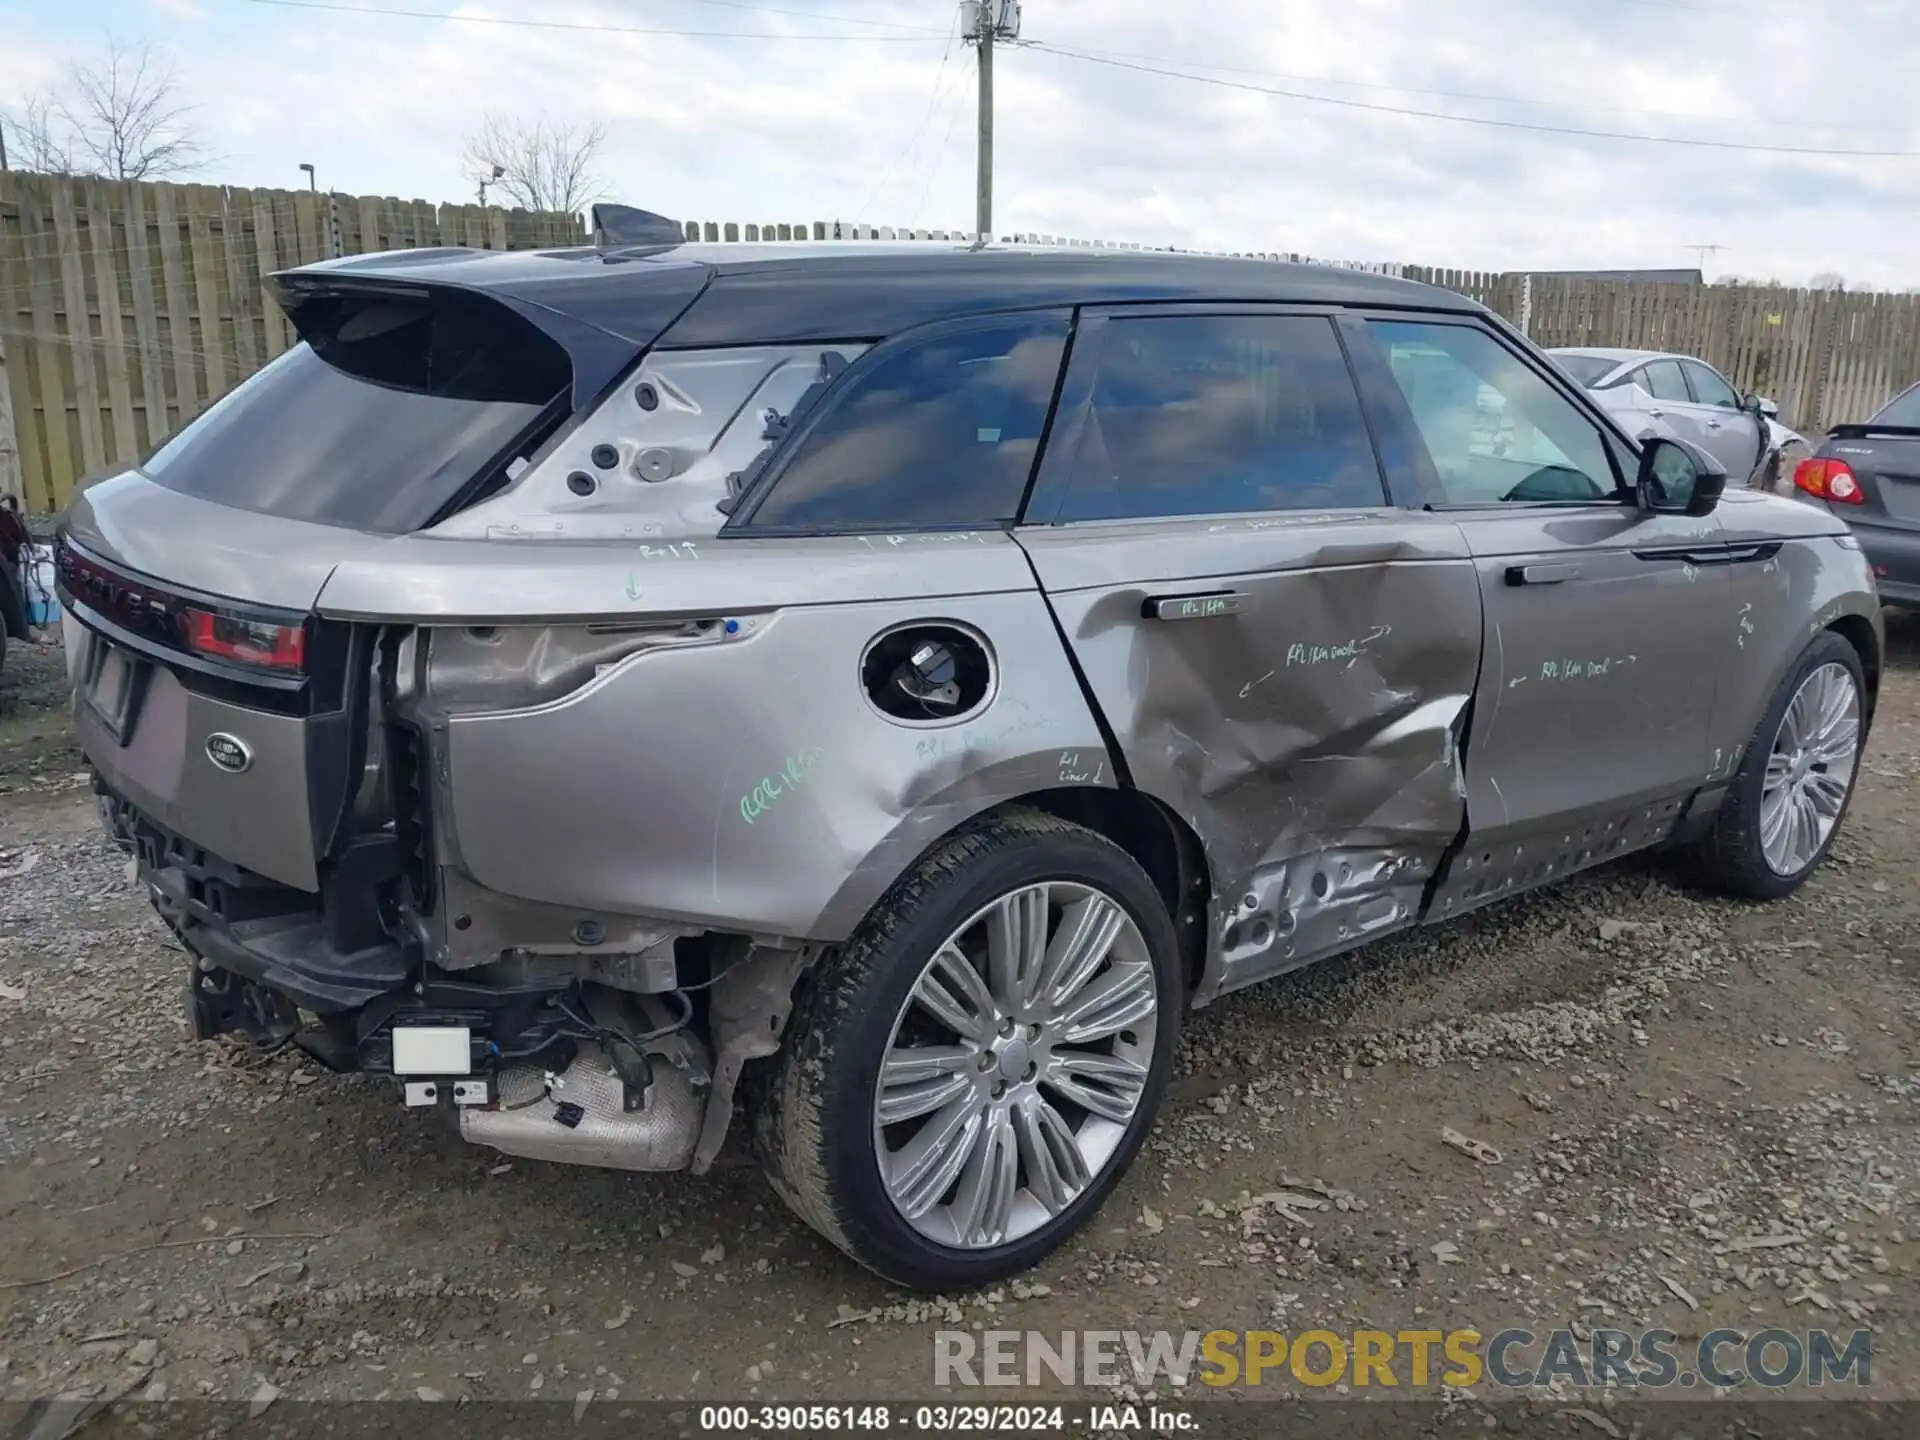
(125, 309)
(1825, 357)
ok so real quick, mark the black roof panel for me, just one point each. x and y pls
(849, 290)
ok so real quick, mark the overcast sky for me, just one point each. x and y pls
(875, 122)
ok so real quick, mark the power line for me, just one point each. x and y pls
(1747, 11)
(1486, 97)
(1483, 120)
(393, 13)
(877, 187)
(824, 15)
(913, 216)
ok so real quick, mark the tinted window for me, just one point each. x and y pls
(1495, 428)
(1902, 410)
(1663, 380)
(941, 432)
(1216, 414)
(381, 417)
(1709, 388)
(1586, 370)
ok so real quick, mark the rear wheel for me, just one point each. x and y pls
(1795, 781)
(970, 1075)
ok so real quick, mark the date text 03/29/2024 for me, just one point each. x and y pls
(939, 1419)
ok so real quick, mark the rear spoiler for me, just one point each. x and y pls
(1870, 431)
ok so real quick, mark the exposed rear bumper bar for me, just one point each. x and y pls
(282, 938)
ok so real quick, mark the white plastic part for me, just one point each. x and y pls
(432, 1050)
(470, 1092)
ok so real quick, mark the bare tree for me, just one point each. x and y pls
(1827, 280)
(127, 117)
(122, 117)
(36, 138)
(540, 164)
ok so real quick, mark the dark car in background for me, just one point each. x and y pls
(16, 562)
(1869, 475)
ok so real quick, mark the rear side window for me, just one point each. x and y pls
(387, 411)
(938, 433)
(1588, 370)
(1708, 387)
(1663, 380)
(1218, 415)
(1902, 410)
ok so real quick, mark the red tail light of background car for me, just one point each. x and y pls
(1829, 479)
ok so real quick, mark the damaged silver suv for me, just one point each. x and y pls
(880, 688)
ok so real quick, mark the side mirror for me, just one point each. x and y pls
(1768, 409)
(1678, 479)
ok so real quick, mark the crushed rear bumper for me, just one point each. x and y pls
(323, 958)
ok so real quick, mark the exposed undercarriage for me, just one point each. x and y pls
(622, 1060)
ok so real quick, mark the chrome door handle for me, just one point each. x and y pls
(1658, 414)
(1713, 424)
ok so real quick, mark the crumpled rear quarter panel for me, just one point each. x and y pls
(749, 785)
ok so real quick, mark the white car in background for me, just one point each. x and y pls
(1658, 393)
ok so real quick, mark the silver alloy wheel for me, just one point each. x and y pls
(1809, 769)
(1016, 1064)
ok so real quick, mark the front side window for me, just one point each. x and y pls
(1709, 388)
(936, 434)
(1663, 380)
(1496, 429)
(1218, 415)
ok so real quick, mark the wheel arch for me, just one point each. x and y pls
(1162, 843)
(1860, 633)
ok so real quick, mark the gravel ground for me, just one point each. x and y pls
(1666, 1079)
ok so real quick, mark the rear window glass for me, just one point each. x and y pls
(940, 433)
(1904, 410)
(384, 413)
(1219, 415)
(1588, 370)
(1663, 380)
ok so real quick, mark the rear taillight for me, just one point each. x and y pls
(1829, 479)
(247, 642)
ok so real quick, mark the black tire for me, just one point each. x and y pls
(1728, 858)
(811, 1105)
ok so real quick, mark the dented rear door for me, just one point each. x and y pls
(1283, 658)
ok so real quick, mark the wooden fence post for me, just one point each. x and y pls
(9, 442)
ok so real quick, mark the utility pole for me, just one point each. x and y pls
(986, 21)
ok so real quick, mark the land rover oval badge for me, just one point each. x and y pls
(229, 752)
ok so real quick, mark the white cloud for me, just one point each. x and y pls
(763, 129)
